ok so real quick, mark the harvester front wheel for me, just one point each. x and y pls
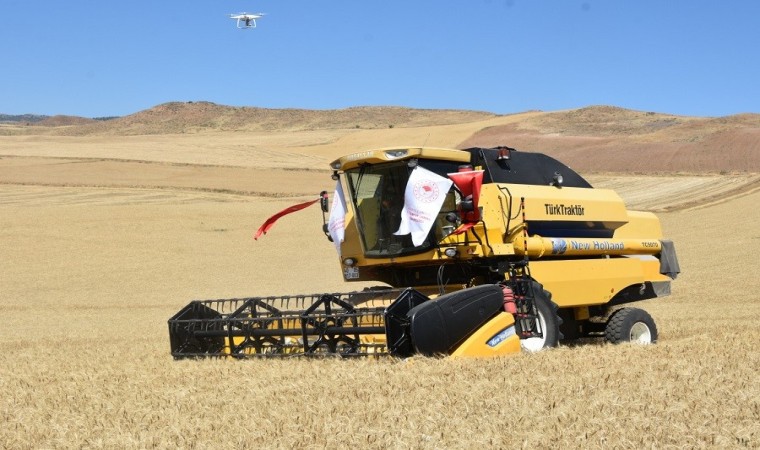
(548, 320)
(631, 325)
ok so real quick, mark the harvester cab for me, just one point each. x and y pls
(484, 252)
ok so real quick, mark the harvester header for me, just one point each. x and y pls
(483, 251)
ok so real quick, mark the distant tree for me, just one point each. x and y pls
(22, 118)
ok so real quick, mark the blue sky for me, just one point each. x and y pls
(100, 58)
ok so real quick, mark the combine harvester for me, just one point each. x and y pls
(486, 252)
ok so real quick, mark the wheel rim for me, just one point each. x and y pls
(535, 344)
(640, 333)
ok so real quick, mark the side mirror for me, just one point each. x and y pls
(467, 204)
(323, 201)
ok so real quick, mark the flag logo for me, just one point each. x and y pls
(426, 191)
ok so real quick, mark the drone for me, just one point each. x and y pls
(246, 20)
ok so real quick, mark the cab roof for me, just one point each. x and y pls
(397, 154)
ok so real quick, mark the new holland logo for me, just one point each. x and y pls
(559, 246)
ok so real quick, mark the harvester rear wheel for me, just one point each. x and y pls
(548, 319)
(631, 325)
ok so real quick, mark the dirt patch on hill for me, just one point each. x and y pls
(610, 139)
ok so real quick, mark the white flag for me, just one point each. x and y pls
(423, 198)
(337, 224)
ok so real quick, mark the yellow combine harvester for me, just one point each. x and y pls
(485, 252)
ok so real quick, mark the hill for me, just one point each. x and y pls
(592, 139)
(603, 138)
(195, 117)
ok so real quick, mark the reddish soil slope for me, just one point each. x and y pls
(598, 139)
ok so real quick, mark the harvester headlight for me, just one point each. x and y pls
(350, 262)
(450, 252)
(393, 154)
(336, 165)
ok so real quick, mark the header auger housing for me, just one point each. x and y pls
(485, 252)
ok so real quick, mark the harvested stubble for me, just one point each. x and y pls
(86, 291)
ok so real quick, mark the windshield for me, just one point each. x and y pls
(377, 194)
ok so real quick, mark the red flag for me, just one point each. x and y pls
(269, 223)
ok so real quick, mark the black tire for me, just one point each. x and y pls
(548, 318)
(631, 325)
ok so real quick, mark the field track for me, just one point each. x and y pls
(90, 276)
(654, 192)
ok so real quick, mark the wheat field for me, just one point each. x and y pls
(91, 271)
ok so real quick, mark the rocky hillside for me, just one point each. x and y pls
(634, 141)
